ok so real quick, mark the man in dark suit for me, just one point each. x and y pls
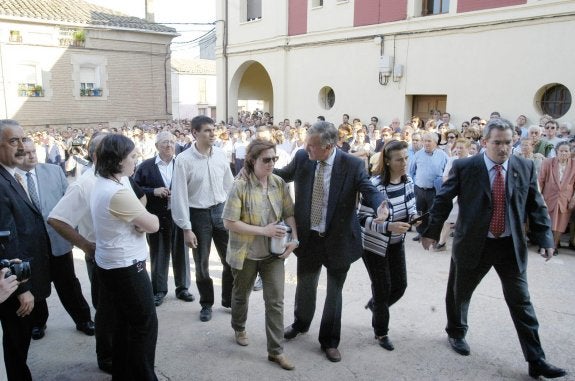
(28, 241)
(46, 184)
(497, 192)
(155, 177)
(327, 182)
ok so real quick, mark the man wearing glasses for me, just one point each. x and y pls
(155, 177)
(551, 130)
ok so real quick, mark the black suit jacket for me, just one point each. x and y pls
(148, 177)
(469, 181)
(28, 236)
(343, 233)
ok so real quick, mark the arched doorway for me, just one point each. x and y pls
(250, 88)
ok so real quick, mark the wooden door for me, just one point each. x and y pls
(423, 105)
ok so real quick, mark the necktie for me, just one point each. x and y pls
(497, 225)
(317, 195)
(32, 190)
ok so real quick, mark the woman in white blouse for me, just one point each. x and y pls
(120, 221)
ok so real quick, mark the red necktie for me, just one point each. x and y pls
(497, 225)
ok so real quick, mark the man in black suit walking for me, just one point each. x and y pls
(28, 241)
(327, 181)
(497, 192)
(155, 177)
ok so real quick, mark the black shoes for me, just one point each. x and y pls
(206, 314)
(385, 343)
(290, 332)
(416, 238)
(159, 298)
(332, 354)
(88, 327)
(38, 332)
(543, 368)
(185, 295)
(460, 346)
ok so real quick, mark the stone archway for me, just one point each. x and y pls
(250, 82)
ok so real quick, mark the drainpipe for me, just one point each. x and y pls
(167, 71)
(225, 54)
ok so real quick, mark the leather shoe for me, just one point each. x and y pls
(185, 295)
(332, 354)
(543, 368)
(282, 360)
(206, 314)
(460, 346)
(416, 238)
(38, 332)
(290, 332)
(384, 342)
(159, 299)
(88, 327)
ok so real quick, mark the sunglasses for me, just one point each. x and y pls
(267, 160)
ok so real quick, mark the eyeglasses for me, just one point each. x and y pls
(267, 160)
(549, 127)
(451, 137)
(168, 142)
(14, 141)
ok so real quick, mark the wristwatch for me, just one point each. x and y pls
(296, 242)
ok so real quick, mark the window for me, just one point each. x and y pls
(29, 81)
(89, 82)
(90, 76)
(253, 10)
(316, 3)
(15, 36)
(434, 7)
(72, 37)
(326, 98)
(202, 91)
(556, 100)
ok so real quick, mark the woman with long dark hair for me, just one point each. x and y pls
(384, 251)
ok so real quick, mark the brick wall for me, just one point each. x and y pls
(475, 5)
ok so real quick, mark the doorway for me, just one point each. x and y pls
(423, 105)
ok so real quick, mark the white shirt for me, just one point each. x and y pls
(326, 181)
(166, 170)
(24, 175)
(199, 181)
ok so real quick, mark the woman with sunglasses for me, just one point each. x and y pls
(384, 251)
(257, 202)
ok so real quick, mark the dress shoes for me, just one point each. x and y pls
(543, 368)
(385, 343)
(88, 327)
(416, 238)
(282, 360)
(38, 332)
(159, 299)
(332, 354)
(460, 346)
(206, 314)
(290, 332)
(185, 295)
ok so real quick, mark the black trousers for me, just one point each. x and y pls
(308, 271)
(129, 291)
(17, 332)
(388, 277)
(207, 224)
(69, 291)
(168, 240)
(423, 202)
(500, 254)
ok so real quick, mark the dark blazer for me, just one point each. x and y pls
(148, 177)
(469, 181)
(343, 233)
(28, 236)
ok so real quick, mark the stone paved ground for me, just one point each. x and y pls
(191, 350)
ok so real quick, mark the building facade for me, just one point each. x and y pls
(193, 88)
(397, 58)
(69, 62)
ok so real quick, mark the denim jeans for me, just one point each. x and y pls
(129, 291)
(207, 224)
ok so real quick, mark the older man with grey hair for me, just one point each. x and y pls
(154, 175)
(327, 181)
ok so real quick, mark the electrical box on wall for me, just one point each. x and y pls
(385, 65)
(398, 71)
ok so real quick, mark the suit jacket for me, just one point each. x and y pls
(469, 181)
(557, 194)
(52, 185)
(148, 177)
(343, 233)
(28, 236)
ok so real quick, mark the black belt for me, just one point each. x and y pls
(425, 189)
(499, 239)
(316, 234)
(209, 207)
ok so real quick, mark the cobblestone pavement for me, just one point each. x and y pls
(191, 350)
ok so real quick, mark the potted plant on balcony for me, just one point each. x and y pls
(22, 90)
(97, 92)
(83, 92)
(38, 91)
(79, 37)
(31, 90)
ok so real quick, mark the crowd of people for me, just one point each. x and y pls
(155, 190)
